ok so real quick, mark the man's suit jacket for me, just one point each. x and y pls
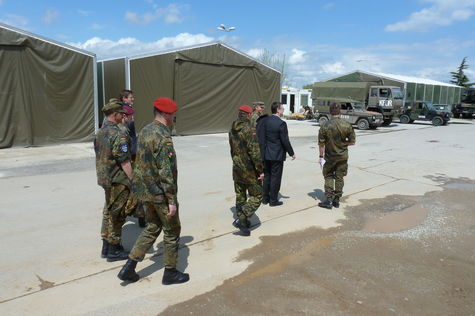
(273, 138)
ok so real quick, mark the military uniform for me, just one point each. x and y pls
(155, 184)
(335, 135)
(112, 148)
(255, 116)
(247, 167)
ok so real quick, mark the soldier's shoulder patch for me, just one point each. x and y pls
(170, 154)
(124, 148)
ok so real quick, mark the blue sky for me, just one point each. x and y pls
(319, 39)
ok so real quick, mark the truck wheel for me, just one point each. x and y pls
(404, 119)
(363, 124)
(387, 122)
(437, 121)
(322, 120)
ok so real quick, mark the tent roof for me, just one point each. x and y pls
(402, 78)
(191, 47)
(45, 39)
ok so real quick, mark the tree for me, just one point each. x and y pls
(459, 77)
(308, 86)
(275, 61)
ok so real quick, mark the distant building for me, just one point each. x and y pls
(295, 99)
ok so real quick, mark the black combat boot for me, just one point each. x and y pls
(327, 204)
(242, 228)
(127, 273)
(336, 203)
(116, 253)
(173, 276)
(105, 248)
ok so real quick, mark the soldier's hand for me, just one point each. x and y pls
(171, 210)
(261, 176)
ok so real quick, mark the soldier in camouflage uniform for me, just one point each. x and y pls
(334, 138)
(155, 185)
(114, 172)
(247, 169)
(259, 108)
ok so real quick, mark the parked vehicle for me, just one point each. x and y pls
(352, 111)
(424, 111)
(387, 100)
(465, 109)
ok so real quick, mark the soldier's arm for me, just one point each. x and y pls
(255, 151)
(165, 170)
(121, 153)
(351, 136)
(321, 142)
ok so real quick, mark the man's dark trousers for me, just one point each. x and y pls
(272, 179)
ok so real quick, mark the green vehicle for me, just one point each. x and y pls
(386, 100)
(466, 109)
(352, 111)
(424, 111)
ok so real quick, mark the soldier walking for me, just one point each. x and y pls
(247, 169)
(114, 173)
(155, 185)
(334, 137)
(259, 108)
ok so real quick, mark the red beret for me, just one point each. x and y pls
(245, 108)
(128, 110)
(165, 105)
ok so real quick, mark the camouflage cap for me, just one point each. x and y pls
(258, 103)
(113, 106)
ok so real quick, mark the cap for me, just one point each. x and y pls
(128, 109)
(258, 103)
(113, 106)
(165, 105)
(245, 108)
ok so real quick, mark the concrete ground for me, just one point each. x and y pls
(405, 226)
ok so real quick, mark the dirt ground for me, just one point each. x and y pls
(400, 255)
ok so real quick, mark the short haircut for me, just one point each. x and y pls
(275, 106)
(335, 108)
(124, 94)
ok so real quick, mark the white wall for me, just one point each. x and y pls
(298, 93)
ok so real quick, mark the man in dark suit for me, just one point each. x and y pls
(274, 142)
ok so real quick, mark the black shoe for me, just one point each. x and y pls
(242, 228)
(336, 203)
(116, 253)
(127, 273)
(142, 222)
(278, 203)
(173, 276)
(105, 248)
(327, 204)
(265, 201)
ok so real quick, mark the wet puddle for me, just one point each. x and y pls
(397, 221)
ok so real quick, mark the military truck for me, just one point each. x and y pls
(466, 109)
(387, 100)
(424, 111)
(352, 111)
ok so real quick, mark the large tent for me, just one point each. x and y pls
(207, 81)
(47, 90)
(420, 89)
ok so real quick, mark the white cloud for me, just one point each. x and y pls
(440, 13)
(255, 52)
(170, 14)
(333, 68)
(15, 20)
(51, 16)
(129, 46)
(96, 26)
(297, 56)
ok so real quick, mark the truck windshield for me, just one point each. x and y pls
(397, 93)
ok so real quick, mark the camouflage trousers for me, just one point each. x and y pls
(134, 207)
(245, 207)
(333, 172)
(114, 213)
(157, 219)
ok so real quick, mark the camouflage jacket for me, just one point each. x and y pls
(255, 116)
(112, 147)
(155, 170)
(245, 152)
(335, 136)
